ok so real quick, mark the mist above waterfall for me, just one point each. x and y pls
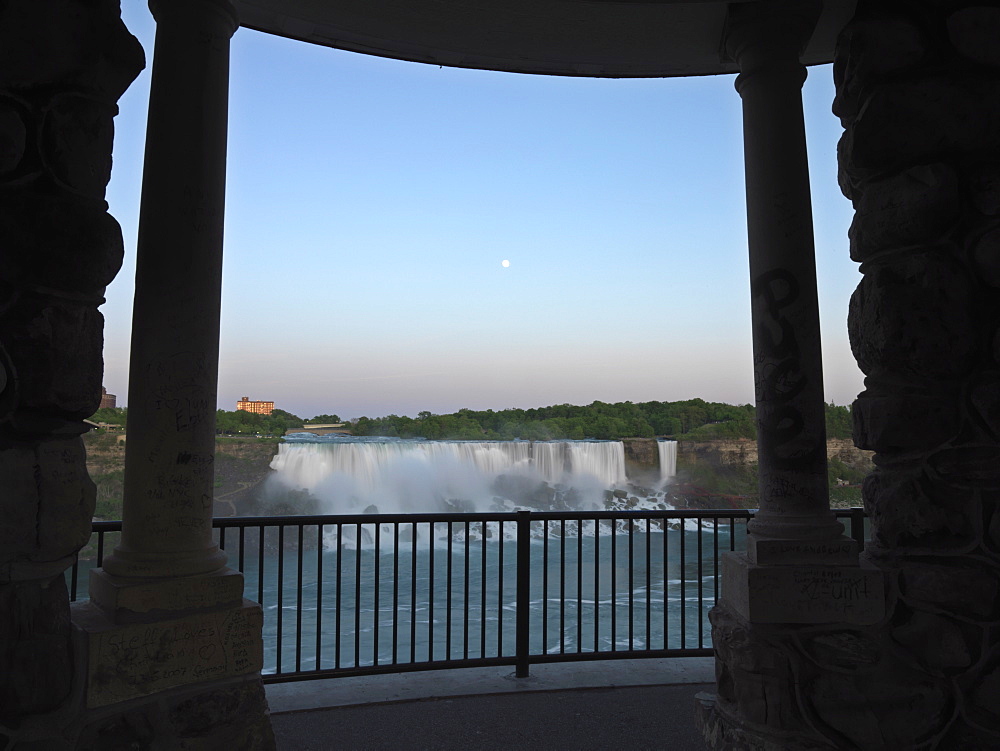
(364, 475)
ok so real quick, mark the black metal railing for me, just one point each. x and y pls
(364, 594)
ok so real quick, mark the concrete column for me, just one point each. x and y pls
(918, 93)
(800, 584)
(766, 40)
(167, 639)
(167, 519)
(796, 546)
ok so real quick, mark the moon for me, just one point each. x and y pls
(505, 263)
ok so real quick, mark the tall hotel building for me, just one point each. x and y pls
(107, 400)
(258, 408)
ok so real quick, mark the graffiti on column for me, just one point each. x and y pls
(779, 375)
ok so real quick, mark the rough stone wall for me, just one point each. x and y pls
(251, 449)
(918, 92)
(105, 452)
(720, 453)
(63, 66)
(845, 450)
(641, 453)
(743, 452)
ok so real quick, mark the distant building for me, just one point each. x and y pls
(258, 408)
(107, 400)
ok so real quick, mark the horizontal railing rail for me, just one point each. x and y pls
(379, 593)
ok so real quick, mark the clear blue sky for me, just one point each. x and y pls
(371, 202)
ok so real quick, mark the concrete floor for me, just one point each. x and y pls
(627, 704)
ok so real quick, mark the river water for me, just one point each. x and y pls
(364, 595)
(409, 602)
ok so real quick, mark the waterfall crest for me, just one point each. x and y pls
(402, 476)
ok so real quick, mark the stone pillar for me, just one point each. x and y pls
(918, 87)
(918, 93)
(172, 650)
(63, 66)
(766, 40)
(800, 578)
(169, 473)
(795, 531)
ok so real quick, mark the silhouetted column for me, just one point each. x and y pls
(167, 520)
(918, 93)
(63, 68)
(798, 563)
(766, 40)
(799, 571)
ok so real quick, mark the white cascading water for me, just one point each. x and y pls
(409, 476)
(604, 460)
(549, 460)
(355, 476)
(668, 460)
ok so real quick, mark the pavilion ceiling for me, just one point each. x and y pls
(600, 38)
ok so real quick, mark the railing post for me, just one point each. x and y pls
(858, 526)
(522, 642)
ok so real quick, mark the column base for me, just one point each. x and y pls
(135, 600)
(803, 592)
(132, 660)
(768, 551)
(725, 733)
(223, 714)
(148, 564)
(171, 662)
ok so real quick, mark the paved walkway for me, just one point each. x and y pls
(629, 704)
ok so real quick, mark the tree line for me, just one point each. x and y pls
(237, 422)
(693, 419)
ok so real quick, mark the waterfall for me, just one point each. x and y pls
(549, 460)
(391, 475)
(604, 460)
(668, 459)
